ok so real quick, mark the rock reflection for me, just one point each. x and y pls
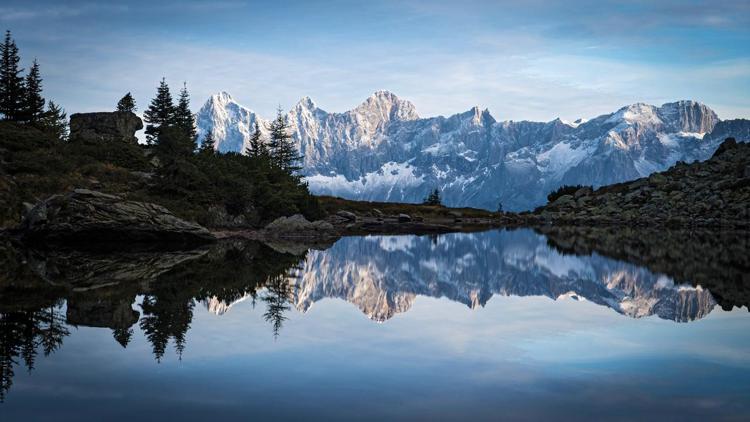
(44, 292)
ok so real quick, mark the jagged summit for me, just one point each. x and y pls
(306, 103)
(382, 149)
(386, 106)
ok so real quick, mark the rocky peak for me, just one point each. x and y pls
(305, 103)
(688, 116)
(384, 106)
(638, 113)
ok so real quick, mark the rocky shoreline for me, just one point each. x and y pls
(710, 194)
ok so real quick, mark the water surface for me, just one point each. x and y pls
(484, 326)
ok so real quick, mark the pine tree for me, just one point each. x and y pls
(282, 150)
(257, 147)
(161, 112)
(55, 121)
(127, 103)
(11, 81)
(183, 116)
(33, 107)
(208, 145)
(433, 198)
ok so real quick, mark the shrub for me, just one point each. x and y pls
(563, 190)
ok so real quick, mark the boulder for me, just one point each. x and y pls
(584, 191)
(90, 217)
(349, 216)
(116, 126)
(298, 224)
(404, 218)
(377, 213)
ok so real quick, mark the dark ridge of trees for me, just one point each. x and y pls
(21, 99)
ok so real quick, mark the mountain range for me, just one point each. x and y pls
(382, 150)
(384, 275)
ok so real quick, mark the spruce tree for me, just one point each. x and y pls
(257, 147)
(208, 145)
(127, 103)
(433, 198)
(183, 116)
(283, 153)
(11, 81)
(55, 121)
(33, 107)
(161, 112)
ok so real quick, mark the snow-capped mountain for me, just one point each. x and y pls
(383, 275)
(382, 150)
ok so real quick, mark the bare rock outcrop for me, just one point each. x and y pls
(89, 217)
(116, 126)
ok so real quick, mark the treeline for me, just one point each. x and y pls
(21, 99)
(174, 169)
(257, 186)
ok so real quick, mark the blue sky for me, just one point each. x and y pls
(533, 60)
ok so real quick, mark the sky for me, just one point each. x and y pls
(530, 60)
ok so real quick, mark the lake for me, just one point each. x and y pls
(586, 324)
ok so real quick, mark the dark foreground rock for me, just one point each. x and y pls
(88, 217)
(714, 193)
(119, 126)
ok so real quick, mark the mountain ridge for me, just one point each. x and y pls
(383, 150)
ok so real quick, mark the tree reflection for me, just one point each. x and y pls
(22, 334)
(279, 292)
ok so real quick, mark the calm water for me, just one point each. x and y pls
(486, 326)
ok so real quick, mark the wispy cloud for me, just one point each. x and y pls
(523, 60)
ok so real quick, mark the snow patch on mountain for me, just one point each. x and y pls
(383, 150)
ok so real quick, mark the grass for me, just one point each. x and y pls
(331, 205)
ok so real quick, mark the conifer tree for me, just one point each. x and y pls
(283, 153)
(11, 81)
(55, 121)
(257, 147)
(161, 112)
(183, 116)
(433, 198)
(208, 145)
(127, 103)
(33, 107)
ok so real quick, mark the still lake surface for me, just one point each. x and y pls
(482, 326)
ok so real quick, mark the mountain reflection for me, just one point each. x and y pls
(678, 276)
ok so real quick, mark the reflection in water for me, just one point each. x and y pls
(22, 334)
(44, 292)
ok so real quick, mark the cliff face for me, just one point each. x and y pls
(713, 193)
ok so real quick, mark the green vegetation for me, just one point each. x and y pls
(331, 204)
(564, 190)
(433, 198)
(127, 103)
